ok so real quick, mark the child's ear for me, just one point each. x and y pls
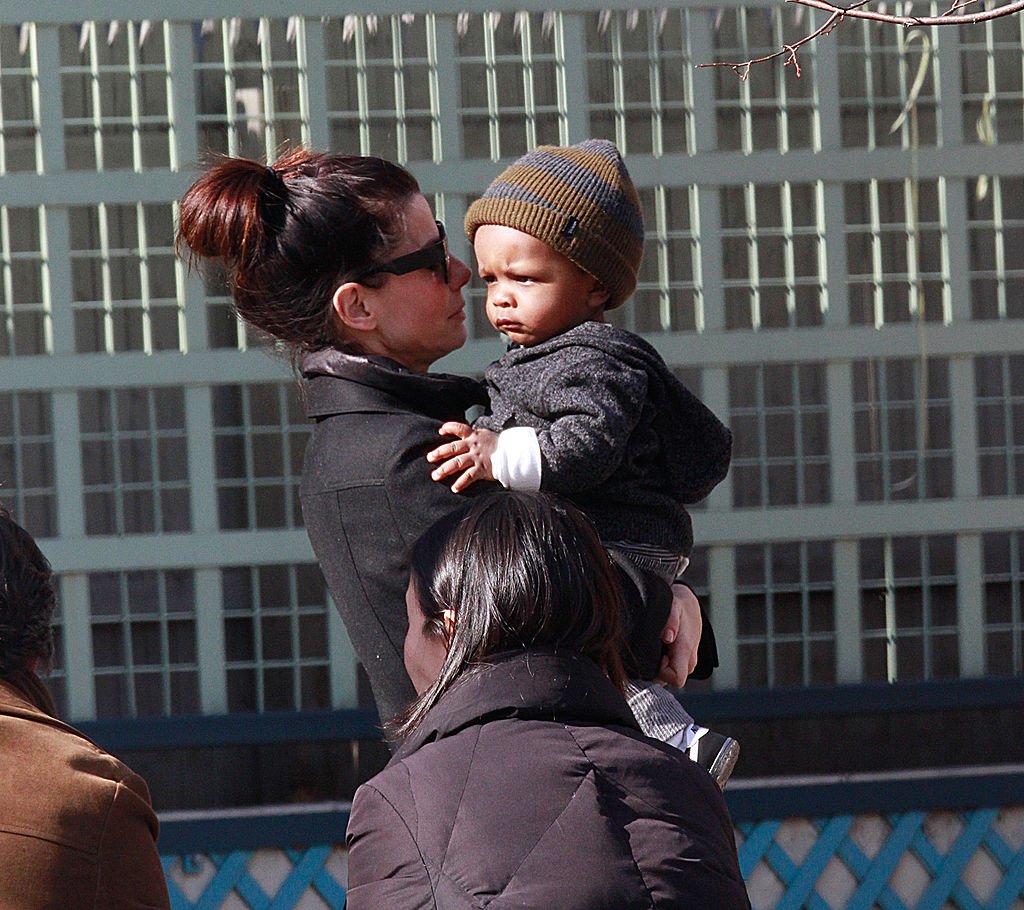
(349, 305)
(598, 297)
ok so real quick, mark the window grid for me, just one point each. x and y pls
(250, 85)
(897, 252)
(1004, 602)
(773, 110)
(640, 80)
(19, 100)
(135, 476)
(28, 328)
(143, 628)
(116, 85)
(127, 284)
(779, 417)
(879, 68)
(785, 615)
(275, 630)
(993, 83)
(27, 483)
(391, 60)
(260, 435)
(999, 391)
(512, 84)
(902, 415)
(995, 236)
(909, 608)
(668, 296)
(773, 253)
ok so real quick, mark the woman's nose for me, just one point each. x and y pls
(458, 272)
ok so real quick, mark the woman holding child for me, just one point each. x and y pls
(340, 258)
(523, 779)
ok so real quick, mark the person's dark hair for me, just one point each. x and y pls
(27, 599)
(518, 570)
(288, 234)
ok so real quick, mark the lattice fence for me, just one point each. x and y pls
(912, 861)
(970, 860)
(308, 879)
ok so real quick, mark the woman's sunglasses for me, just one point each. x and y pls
(433, 257)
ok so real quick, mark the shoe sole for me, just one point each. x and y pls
(722, 767)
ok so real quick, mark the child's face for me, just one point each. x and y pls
(533, 292)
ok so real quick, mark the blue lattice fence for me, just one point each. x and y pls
(963, 860)
(261, 879)
(910, 861)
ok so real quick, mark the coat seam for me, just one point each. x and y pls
(465, 783)
(412, 837)
(102, 841)
(629, 841)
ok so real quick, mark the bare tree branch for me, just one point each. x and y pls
(950, 17)
(837, 14)
(788, 50)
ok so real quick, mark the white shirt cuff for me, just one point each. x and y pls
(516, 463)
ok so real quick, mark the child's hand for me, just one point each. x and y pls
(470, 453)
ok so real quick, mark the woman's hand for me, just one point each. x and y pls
(470, 453)
(681, 637)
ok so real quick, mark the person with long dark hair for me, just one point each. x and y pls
(339, 260)
(522, 778)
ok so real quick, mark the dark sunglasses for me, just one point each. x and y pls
(433, 257)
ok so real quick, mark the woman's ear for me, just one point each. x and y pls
(349, 304)
(448, 619)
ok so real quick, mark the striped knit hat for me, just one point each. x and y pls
(580, 201)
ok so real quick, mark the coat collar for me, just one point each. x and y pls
(528, 685)
(25, 691)
(380, 384)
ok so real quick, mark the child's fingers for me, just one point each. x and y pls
(449, 467)
(448, 450)
(454, 428)
(464, 480)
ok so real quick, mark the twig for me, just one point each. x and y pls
(788, 50)
(857, 12)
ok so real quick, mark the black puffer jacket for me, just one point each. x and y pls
(367, 495)
(529, 785)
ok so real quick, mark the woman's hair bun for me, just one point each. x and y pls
(224, 215)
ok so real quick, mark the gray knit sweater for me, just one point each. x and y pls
(619, 434)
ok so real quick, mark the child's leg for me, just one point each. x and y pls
(657, 711)
(660, 716)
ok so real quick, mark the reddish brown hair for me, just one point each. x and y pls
(288, 234)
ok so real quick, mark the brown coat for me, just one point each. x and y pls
(77, 831)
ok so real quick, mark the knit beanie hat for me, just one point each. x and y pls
(580, 201)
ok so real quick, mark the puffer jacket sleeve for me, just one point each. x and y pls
(385, 868)
(130, 876)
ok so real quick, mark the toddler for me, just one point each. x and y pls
(578, 406)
